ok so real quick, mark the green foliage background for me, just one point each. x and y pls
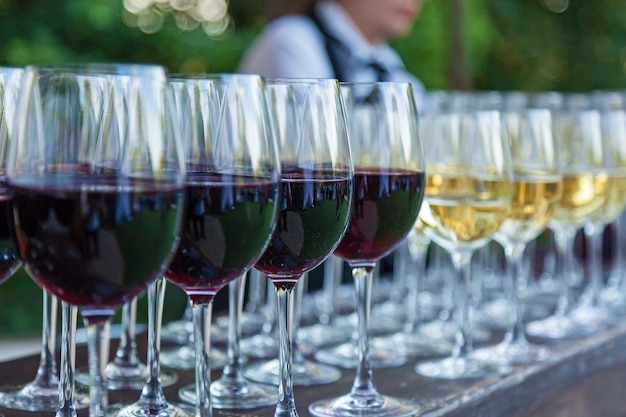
(567, 45)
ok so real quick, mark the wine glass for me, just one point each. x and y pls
(468, 196)
(303, 370)
(132, 188)
(40, 394)
(537, 189)
(592, 308)
(9, 259)
(315, 202)
(582, 158)
(387, 195)
(125, 371)
(231, 204)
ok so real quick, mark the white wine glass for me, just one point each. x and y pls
(468, 197)
(582, 159)
(537, 189)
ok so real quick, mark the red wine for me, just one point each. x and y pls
(9, 258)
(227, 223)
(97, 245)
(384, 209)
(313, 217)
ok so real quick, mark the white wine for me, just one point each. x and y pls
(583, 197)
(534, 201)
(464, 212)
(613, 188)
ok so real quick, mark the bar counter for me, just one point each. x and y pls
(587, 379)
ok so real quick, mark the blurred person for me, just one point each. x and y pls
(342, 39)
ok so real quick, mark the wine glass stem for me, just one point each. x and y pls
(201, 313)
(67, 404)
(462, 268)
(564, 240)
(126, 353)
(363, 386)
(417, 257)
(514, 257)
(98, 393)
(297, 357)
(152, 395)
(286, 405)
(333, 274)
(47, 370)
(594, 234)
(232, 370)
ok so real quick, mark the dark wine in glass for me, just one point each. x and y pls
(79, 242)
(314, 208)
(386, 202)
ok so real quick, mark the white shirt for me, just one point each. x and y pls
(292, 46)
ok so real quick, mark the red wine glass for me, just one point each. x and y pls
(316, 189)
(133, 189)
(387, 195)
(230, 208)
(304, 371)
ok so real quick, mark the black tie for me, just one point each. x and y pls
(381, 73)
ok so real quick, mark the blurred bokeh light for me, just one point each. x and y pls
(149, 15)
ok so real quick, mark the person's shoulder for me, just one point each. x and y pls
(292, 28)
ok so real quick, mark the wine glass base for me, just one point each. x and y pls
(305, 373)
(251, 323)
(498, 314)
(415, 344)
(318, 335)
(178, 331)
(127, 377)
(225, 395)
(465, 367)
(184, 358)
(261, 346)
(352, 406)
(562, 327)
(34, 398)
(447, 330)
(515, 353)
(346, 355)
(143, 410)
(380, 325)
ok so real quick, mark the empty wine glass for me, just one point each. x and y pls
(132, 188)
(387, 195)
(537, 189)
(468, 197)
(314, 206)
